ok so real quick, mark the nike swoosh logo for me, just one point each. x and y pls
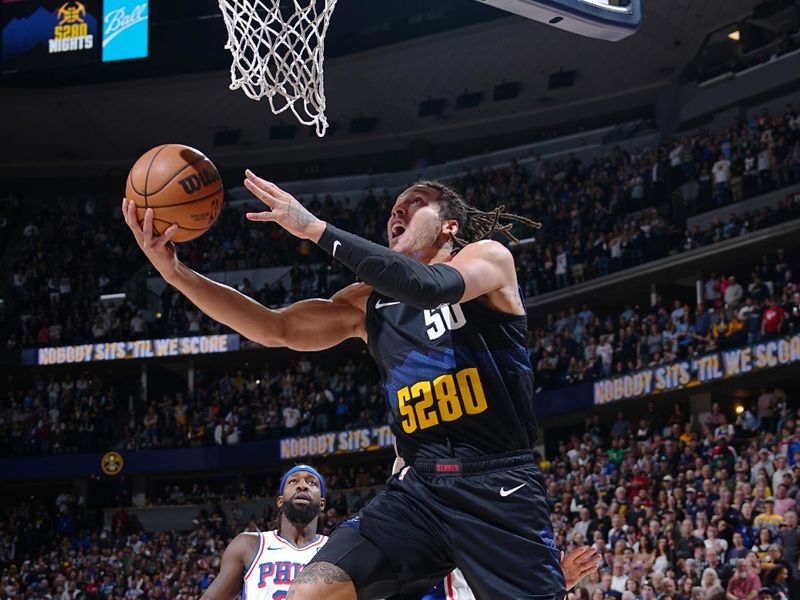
(382, 304)
(336, 245)
(271, 548)
(504, 492)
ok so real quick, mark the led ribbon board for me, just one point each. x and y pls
(138, 349)
(699, 370)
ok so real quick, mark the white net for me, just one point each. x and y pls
(278, 49)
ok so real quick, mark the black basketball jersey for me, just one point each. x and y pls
(458, 380)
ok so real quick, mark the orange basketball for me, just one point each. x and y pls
(181, 186)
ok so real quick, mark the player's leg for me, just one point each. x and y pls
(494, 510)
(508, 520)
(393, 547)
(349, 566)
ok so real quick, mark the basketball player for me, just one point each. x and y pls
(442, 314)
(263, 565)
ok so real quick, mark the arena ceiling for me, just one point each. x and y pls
(103, 127)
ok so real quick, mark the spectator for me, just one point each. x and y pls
(733, 293)
(291, 417)
(777, 580)
(621, 427)
(783, 503)
(721, 172)
(744, 584)
(766, 410)
(710, 583)
(769, 519)
(764, 541)
(772, 323)
(738, 551)
(138, 324)
(618, 577)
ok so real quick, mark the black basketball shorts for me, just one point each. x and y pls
(486, 516)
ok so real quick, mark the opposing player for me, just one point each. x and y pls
(261, 566)
(442, 314)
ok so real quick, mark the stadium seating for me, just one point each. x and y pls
(672, 505)
(616, 211)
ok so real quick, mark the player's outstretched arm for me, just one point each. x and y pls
(478, 269)
(227, 585)
(308, 325)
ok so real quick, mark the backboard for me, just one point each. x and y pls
(278, 46)
(610, 20)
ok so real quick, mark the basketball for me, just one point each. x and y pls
(181, 185)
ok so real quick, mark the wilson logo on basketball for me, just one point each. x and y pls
(196, 181)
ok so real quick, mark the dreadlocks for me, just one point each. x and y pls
(474, 224)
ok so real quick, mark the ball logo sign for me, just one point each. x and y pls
(72, 32)
(125, 25)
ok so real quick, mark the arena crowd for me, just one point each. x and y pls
(66, 416)
(615, 211)
(61, 551)
(682, 509)
(63, 416)
(578, 344)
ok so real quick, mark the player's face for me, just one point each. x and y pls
(302, 497)
(415, 225)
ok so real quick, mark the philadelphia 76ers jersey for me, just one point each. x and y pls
(276, 563)
(452, 587)
(457, 378)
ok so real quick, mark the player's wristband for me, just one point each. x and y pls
(393, 274)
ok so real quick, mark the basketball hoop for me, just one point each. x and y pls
(278, 46)
(278, 49)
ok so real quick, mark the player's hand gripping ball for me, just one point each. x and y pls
(181, 185)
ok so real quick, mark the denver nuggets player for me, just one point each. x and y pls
(261, 566)
(576, 565)
(443, 316)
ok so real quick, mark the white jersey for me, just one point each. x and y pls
(275, 565)
(453, 587)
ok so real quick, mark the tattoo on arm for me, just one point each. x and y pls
(319, 573)
(299, 214)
